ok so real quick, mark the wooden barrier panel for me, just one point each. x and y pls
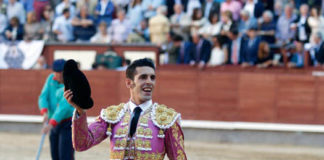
(224, 94)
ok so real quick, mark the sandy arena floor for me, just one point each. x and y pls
(16, 146)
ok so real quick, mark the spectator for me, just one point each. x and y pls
(212, 28)
(121, 4)
(3, 25)
(217, 54)
(135, 13)
(120, 28)
(150, 7)
(301, 25)
(91, 4)
(297, 58)
(267, 27)
(192, 4)
(104, 11)
(210, 6)
(83, 25)
(319, 49)
(180, 22)
(265, 56)
(234, 48)
(3, 7)
(159, 26)
(249, 7)
(40, 63)
(284, 32)
(233, 6)
(15, 31)
(125, 64)
(47, 22)
(28, 5)
(54, 3)
(33, 29)
(99, 66)
(102, 35)
(201, 54)
(140, 34)
(278, 9)
(182, 52)
(197, 21)
(246, 21)
(16, 9)
(250, 47)
(62, 27)
(109, 59)
(167, 48)
(227, 25)
(65, 4)
(39, 7)
(316, 22)
(171, 51)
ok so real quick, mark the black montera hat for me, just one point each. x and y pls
(77, 82)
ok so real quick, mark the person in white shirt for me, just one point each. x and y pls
(65, 4)
(212, 28)
(217, 56)
(197, 21)
(3, 24)
(192, 4)
(62, 27)
(150, 6)
(180, 22)
(121, 3)
(250, 7)
(102, 35)
(16, 9)
(120, 28)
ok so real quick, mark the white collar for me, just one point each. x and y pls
(144, 106)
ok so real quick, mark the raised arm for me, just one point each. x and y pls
(84, 137)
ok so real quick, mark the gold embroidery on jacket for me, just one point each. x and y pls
(179, 143)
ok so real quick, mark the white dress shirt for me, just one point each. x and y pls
(63, 25)
(120, 30)
(16, 10)
(60, 7)
(144, 106)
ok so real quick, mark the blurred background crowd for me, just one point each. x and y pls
(202, 33)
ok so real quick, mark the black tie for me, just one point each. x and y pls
(137, 112)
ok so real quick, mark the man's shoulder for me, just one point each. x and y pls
(50, 78)
(113, 113)
(163, 116)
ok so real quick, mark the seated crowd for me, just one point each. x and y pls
(202, 33)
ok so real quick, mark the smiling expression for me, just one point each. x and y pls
(142, 86)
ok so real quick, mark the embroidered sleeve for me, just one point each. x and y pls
(174, 143)
(84, 137)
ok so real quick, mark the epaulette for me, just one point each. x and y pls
(113, 114)
(164, 117)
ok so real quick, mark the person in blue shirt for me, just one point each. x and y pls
(249, 47)
(83, 25)
(297, 58)
(57, 113)
(104, 11)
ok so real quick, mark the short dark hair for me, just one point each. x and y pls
(131, 69)
(65, 10)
